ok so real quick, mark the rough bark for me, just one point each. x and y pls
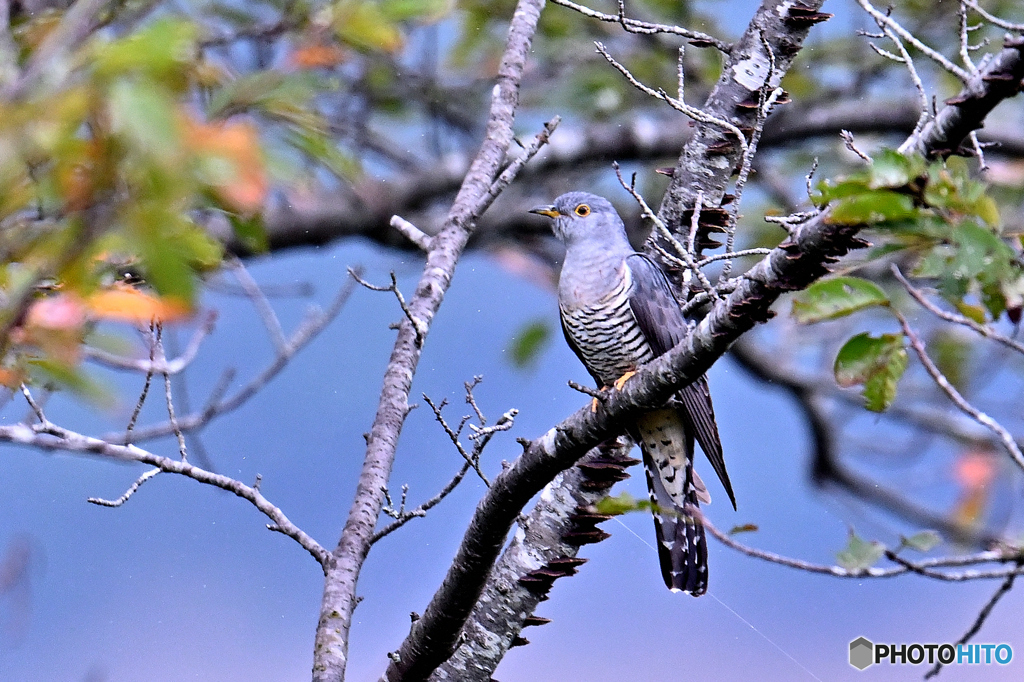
(709, 158)
(543, 549)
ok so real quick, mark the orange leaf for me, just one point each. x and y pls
(317, 57)
(237, 143)
(10, 378)
(132, 305)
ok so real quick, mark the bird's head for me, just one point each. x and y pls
(583, 217)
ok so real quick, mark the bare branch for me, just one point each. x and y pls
(982, 329)
(158, 345)
(418, 325)
(992, 19)
(885, 21)
(677, 104)
(413, 233)
(174, 366)
(128, 493)
(982, 617)
(422, 510)
(260, 302)
(483, 178)
(314, 323)
(51, 437)
(924, 568)
(635, 26)
(847, 138)
(943, 383)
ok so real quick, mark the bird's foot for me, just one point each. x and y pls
(621, 381)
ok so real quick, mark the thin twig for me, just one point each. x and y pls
(847, 138)
(174, 366)
(679, 105)
(688, 261)
(145, 390)
(128, 493)
(636, 26)
(419, 326)
(943, 383)
(454, 437)
(158, 344)
(51, 437)
(411, 232)
(260, 302)
(924, 568)
(955, 318)
(422, 510)
(993, 19)
(36, 409)
(884, 20)
(314, 323)
(980, 620)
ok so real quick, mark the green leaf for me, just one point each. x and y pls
(144, 115)
(364, 25)
(889, 168)
(951, 353)
(925, 541)
(831, 298)
(859, 554)
(421, 10)
(745, 528)
(74, 379)
(877, 363)
(971, 312)
(529, 342)
(324, 150)
(250, 232)
(621, 504)
(872, 207)
(162, 51)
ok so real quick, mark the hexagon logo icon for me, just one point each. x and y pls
(862, 653)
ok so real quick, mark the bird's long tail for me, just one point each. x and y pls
(667, 446)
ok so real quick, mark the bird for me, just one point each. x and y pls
(619, 312)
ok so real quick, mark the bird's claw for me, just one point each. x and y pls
(621, 381)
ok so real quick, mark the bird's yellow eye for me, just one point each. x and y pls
(582, 210)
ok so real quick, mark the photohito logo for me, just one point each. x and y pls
(864, 652)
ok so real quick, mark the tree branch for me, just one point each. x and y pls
(339, 598)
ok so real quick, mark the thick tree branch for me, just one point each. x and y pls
(771, 41)
(543, 550)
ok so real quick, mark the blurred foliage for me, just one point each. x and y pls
(112, 161)
(529, 342)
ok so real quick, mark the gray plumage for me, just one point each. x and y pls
(618, 312)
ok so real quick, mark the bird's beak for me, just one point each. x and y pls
(549, 210)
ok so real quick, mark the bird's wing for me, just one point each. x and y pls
(660, 317)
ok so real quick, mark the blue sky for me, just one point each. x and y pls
(185, 583)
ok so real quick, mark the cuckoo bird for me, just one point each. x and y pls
(618, 312)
